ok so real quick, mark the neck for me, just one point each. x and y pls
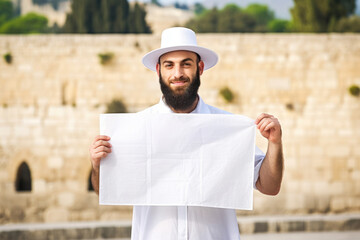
(187, 110)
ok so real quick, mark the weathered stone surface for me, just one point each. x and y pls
(53, 92)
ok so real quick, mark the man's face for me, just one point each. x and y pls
(179, 76)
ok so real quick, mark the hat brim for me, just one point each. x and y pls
(208, 56)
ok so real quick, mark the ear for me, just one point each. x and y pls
(158, 69)
(201, 67)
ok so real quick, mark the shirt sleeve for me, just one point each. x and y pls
(259, 158)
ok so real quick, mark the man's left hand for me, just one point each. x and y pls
(269, 127)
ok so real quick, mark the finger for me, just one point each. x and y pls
(100, 155)
(262, 116)
(264, 124)
(269, 126)
(101, 137)
(102, 149)
(101, 143)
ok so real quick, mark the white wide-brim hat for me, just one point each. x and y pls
(179, 38)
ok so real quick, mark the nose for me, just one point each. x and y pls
(178, 72)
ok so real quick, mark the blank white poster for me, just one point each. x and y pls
(166, 159)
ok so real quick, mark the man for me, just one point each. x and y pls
(179, 64)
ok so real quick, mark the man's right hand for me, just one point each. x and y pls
(99, 149)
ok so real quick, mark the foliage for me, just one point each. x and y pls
(351, 24)
(227, 94)
(232, 18)
(199, 8)
(354, 90)
(6, 11)
(29, 23)
(290, 106)
(116, 106)
(181, 6)
(8, 57)
(105, 57)
(262, 14)
(307, 16)
(279, 25)
(156, 2)
(320, 16)
(105, 16)
(137, 20)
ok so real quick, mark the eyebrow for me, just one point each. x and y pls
(184, 60)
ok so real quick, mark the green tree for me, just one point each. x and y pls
(29, 23)
(262, 14)
(105, 16)
(6, 11)
(121, 24)
(229, 19)
(351, 24)
(138, 23)
(279, 25)
(320, 16)
(156, 2)
(234, 19)
(199, 8)
(206, 22)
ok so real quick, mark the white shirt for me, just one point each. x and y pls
(188, 223)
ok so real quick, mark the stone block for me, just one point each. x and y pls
(55, 162)
(355, 175)
(88, 215)
(323, 203)
(338, 204)
(261, 227)
(40, 186)
(315, 226)
(66, 199)
(246, 227)
(291, 226)
(338, 151)
(351, 225)
(53, 214)
(295, 201)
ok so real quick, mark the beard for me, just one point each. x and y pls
(181, 99)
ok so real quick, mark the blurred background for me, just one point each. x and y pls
(65, 62)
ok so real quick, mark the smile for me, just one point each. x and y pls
(178, 83)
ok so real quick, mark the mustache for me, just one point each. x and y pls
(181, 79)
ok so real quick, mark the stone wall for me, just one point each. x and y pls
(55, 88)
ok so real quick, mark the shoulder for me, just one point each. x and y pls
(152, 109)
(215, 110)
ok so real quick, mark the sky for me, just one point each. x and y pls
(280, 7)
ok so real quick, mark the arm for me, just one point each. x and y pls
(271, 170)
(98, 150)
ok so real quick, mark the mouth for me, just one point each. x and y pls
(179, 82)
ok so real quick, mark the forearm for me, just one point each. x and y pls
(95, 180)
(271, 171)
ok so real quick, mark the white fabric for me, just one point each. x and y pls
(166, 223)
(164, 159)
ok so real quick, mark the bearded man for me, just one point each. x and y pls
(179, 64)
